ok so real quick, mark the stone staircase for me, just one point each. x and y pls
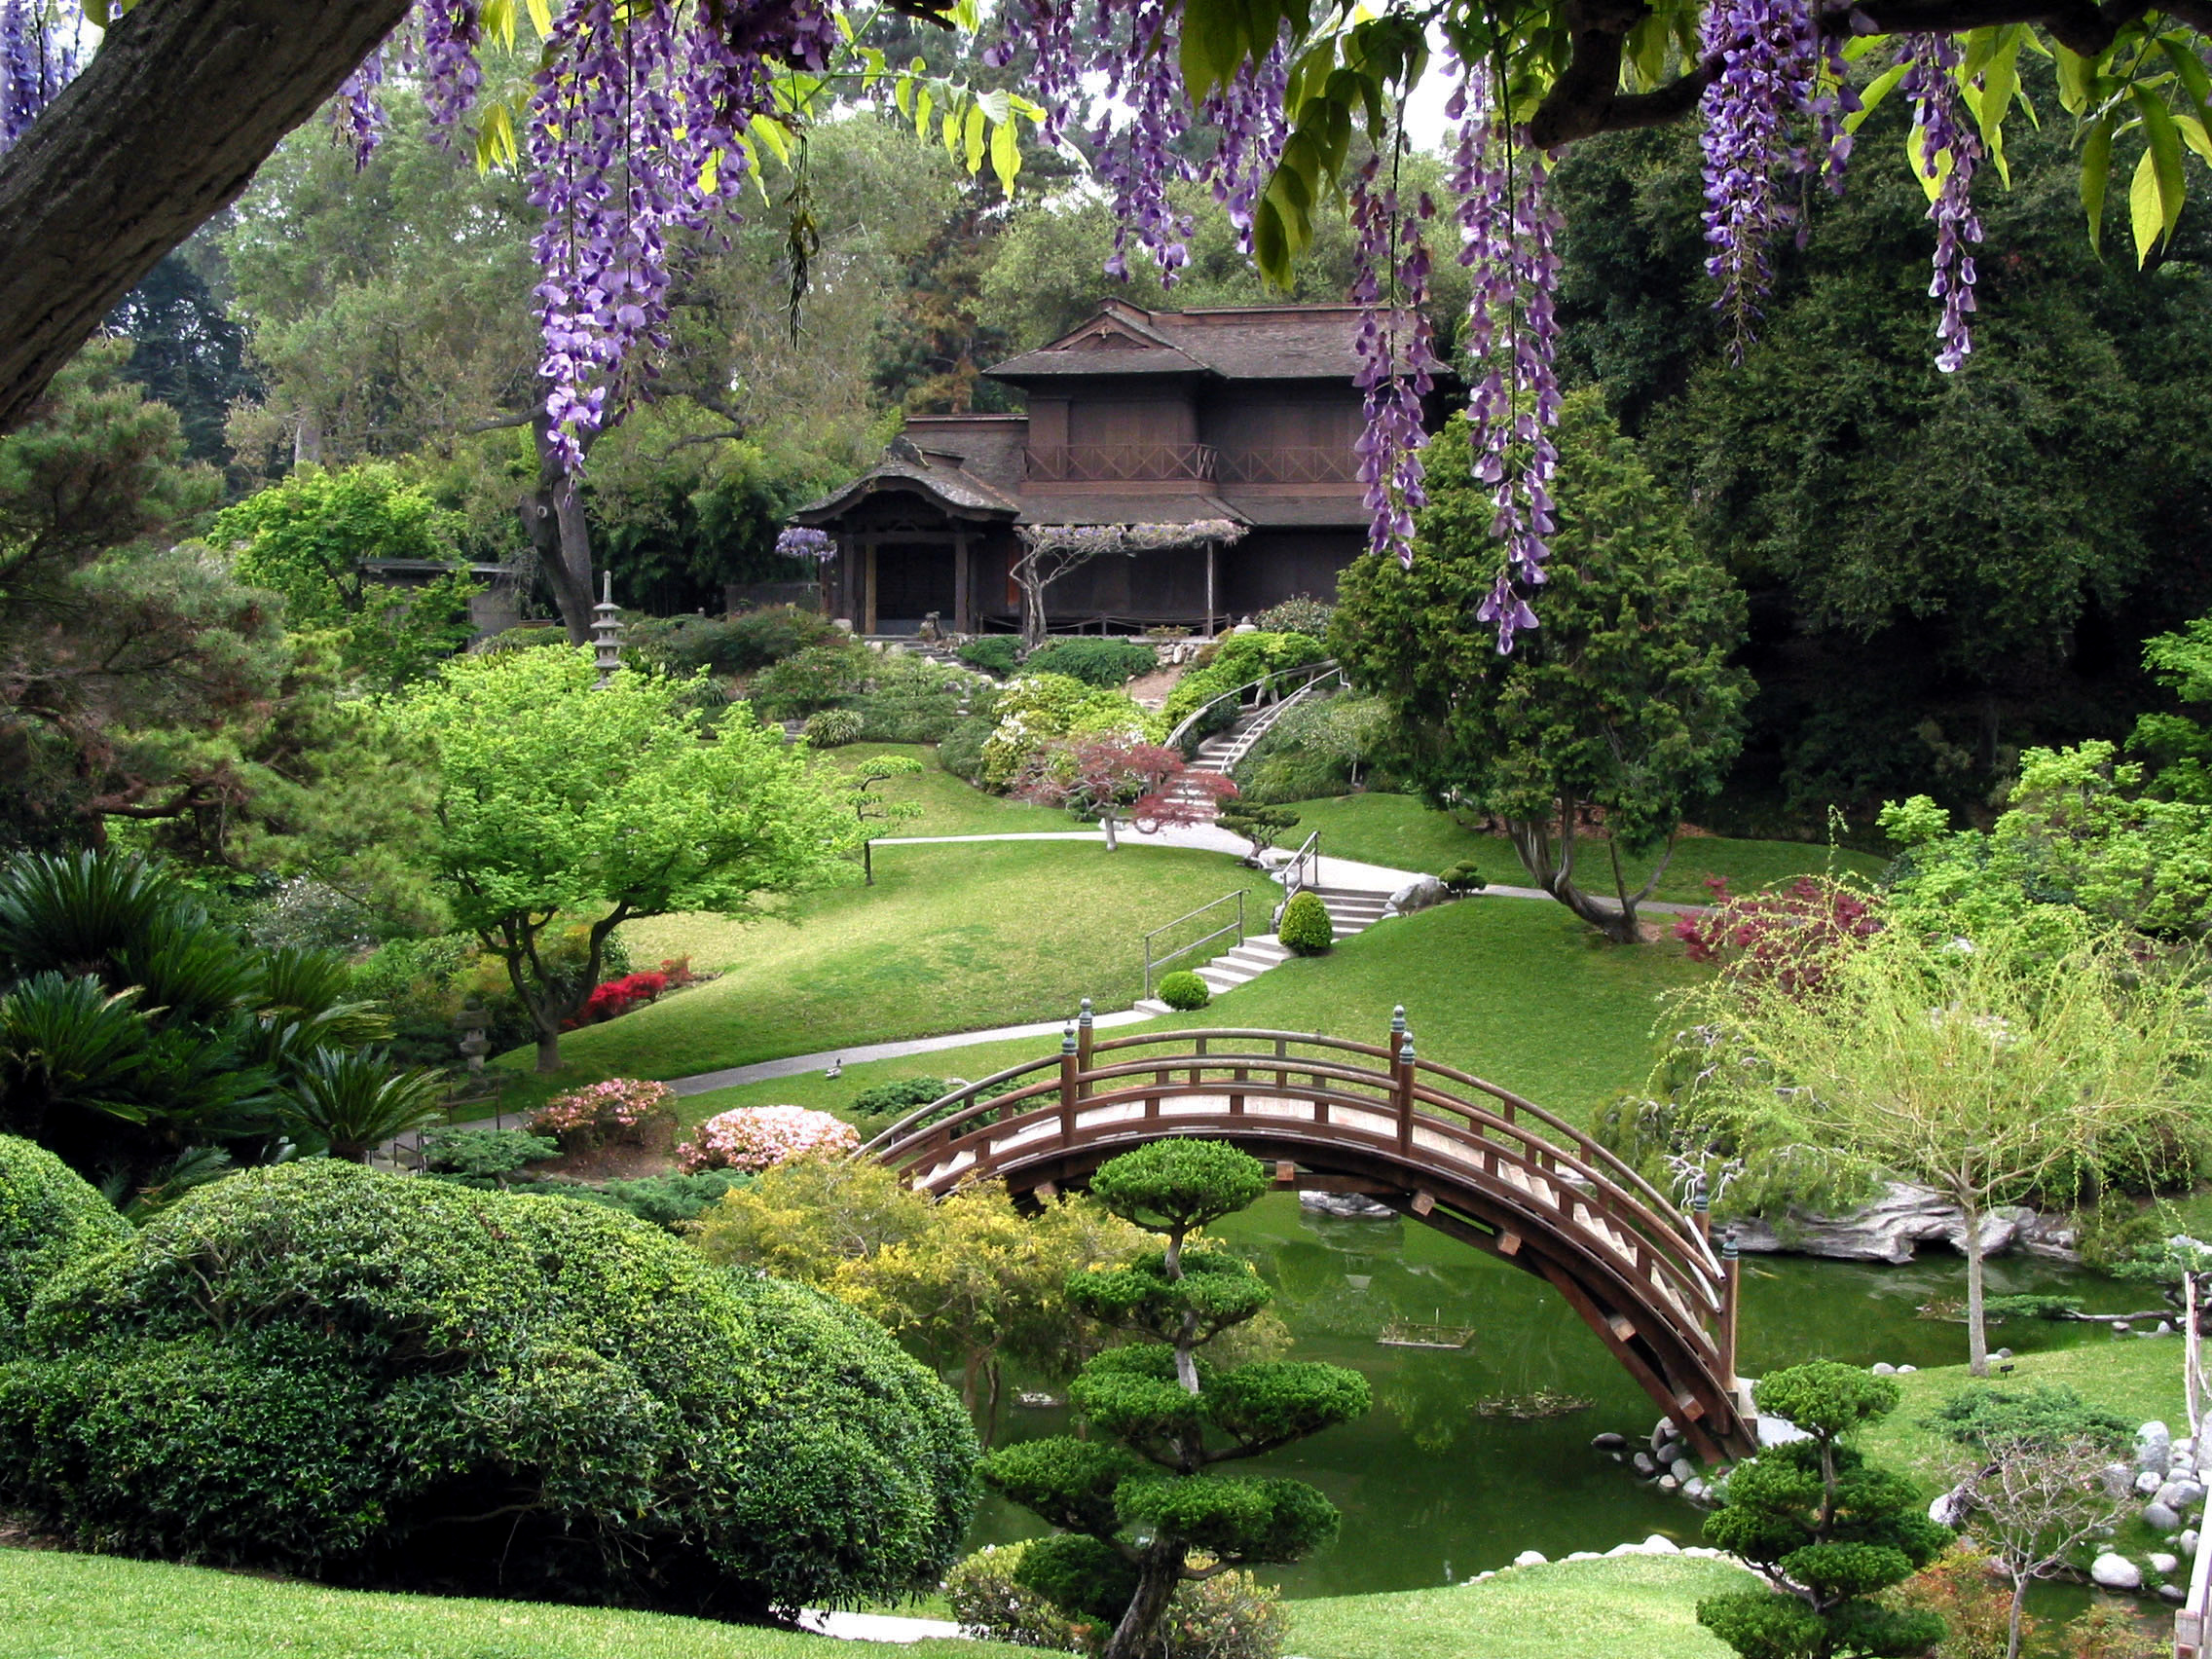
(1351, 912)
(1217, 754)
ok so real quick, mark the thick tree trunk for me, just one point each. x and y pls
(549, 1050)
(165, 128)
(553, 514)
(1159, 1572)
(1554, 872)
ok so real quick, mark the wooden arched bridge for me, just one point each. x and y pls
(1472, 1159)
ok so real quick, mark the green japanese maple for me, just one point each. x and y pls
(563, 802)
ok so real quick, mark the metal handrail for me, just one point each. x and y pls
(1314, 671)
(1237, 927)
(1303, 869)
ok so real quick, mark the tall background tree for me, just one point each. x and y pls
(1622, 705)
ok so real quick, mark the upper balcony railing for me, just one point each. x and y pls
(1132, 463)
(1310, 465)
(1121, 463)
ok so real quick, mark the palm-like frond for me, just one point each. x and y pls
(70, 1042)
(311, 989)
(72, 912)
(355, 1102)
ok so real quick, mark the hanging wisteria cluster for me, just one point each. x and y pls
(1395, 347)
(637, 136)
(1935, 95)
(1508, 241)
(35, 63)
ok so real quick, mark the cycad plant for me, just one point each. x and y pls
(354, 1102)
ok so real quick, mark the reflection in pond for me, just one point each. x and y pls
(1433, 1490)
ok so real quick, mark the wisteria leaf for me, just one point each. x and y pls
(542, 16)
(1005, 155)
(2145, 215)
(973, 139)
(1876, 90)
(2164, 152)
(2096, 176)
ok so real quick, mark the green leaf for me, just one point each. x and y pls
(2145, 215)
(2193, 134)
(1930, 182)
(1006, 155)
(2163, 150)
(2076, 74)
(1880, 88)
(2096, 176)
(499, 20)
(974, 137)
(774, 134)
(542, 16)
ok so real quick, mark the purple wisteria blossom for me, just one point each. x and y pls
(1508, 235)
(449, 32)
(1397, 352)
(1137, 153)
(802, 541)
(35, 63)
(1927, 82)
(356, 113)
(1247, 115)
(1769, 51)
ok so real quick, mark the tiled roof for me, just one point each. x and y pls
(939, 476)
(1241, 343)
(1073, 507)
(1288, 512)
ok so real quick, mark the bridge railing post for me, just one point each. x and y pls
(1731, 1276)
(1083, 1045)
(1070, 1072)
(1403, 1081)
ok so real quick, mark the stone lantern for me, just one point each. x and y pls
(606, 629)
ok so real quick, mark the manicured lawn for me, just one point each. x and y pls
(2137, 1376)
(949, 807)
(1640, 1606)
(1399, 831)
(1514, 990)
(951, 939)
(72, 1607)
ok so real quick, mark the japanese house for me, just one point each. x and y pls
(1137, 418)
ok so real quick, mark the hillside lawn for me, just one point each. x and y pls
(1514, 990)
(949, 938)
(74, 1607)
(1401, 832)
(949, 807)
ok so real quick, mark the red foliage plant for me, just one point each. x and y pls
(620, 996)
(1145, 781)
(1788, 937)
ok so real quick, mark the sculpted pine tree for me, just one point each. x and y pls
(1137, 1512)
(1828, 1530)
(1623, 701)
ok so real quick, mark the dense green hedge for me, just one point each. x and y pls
(50, 1217)
(1108, 663)
(322, 1368)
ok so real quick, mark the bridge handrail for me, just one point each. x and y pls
(1633, 1199)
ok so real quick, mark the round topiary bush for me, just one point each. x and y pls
(322, 1368)
(1184, 990)
(50, 1217)
(1306, 927)
(834, 728)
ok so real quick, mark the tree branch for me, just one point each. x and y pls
(165, 128)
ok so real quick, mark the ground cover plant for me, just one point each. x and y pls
(372, 1378)
(951, 939)
(1468, 974)
(1107, 662)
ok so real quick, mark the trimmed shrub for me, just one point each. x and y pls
(1038, 708)
(994, 653)
(1465, 876)
(900, 716)
(483, 1157)
(622, 1111)
(1306, 927)
(50, 1219)
(318, 1368)
(619, 996)
(1183, 990)
(960, 751)
(1302, 614)
(880, 1107)
(1107, 663)
(817, 677)
(834, 728)
(665, 1201)
(1229, 1616)
(754, 1138)
(739, 645)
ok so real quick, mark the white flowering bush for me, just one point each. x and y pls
(754, 1138)
(1035, 709)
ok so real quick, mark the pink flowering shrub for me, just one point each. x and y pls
(753, 1138)
(621, 1111)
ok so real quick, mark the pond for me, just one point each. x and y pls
(1433, 1492)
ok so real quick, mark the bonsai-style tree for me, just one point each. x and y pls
(1110, 778)
(1264, 826)
(1137, 1512)
(563, 801)
(1828, 1531)
(1622, 704)
(863, 793)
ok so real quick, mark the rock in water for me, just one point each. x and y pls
(1608, 1442)
(1537, 1557)
(2116, 1573)
(1345, 1207)
(1903, 1218)
(1684, 1471)
(1643, 1465)
(1659, 1544)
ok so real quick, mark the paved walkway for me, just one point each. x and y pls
(875, 1627)
(791, 1065)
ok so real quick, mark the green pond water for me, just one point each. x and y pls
(1433, 1493)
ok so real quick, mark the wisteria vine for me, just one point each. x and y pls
(637, 136)
(1508, 241)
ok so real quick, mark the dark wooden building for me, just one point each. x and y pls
(1137, 417)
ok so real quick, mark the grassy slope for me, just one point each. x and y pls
(951, 807)
(1640, 1606)
(72, 1607)
(1513, 991)
(102, 1607)
(2138, 1378)
(1401, 832)
(951, 939)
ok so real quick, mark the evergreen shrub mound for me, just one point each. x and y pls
(1306, 927)
(874, 1110)
(960, 751)
(1183, 991)
(993, 653)
(1107, 663)
(739, 645)
(834, 728)
(321, 1369)
(50, 1217)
